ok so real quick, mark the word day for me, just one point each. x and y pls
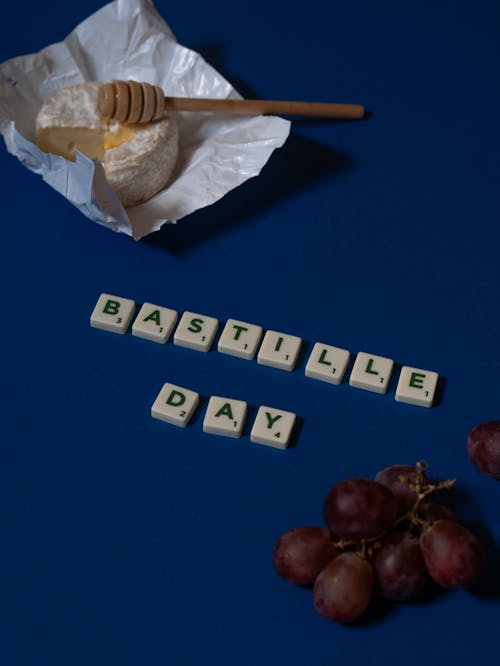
(224, 416)
(326, 362)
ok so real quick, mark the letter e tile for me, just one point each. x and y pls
(416, 387)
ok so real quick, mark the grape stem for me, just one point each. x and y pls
(365, 548)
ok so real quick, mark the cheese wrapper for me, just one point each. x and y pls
(127, 39)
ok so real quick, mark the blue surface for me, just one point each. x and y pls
(129, 541)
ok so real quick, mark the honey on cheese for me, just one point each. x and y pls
(138, 160)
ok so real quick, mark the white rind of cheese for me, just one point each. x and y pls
(138, 160)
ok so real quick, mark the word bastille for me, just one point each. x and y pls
(279, 350)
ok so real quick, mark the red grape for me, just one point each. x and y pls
(359, 509)
(400, 568)
(432, 511)
(483, 447)
(301, 553)
(398, 479)
(453, 556)
(343, 589)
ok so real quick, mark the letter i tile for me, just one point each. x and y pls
(272, 427)
(279, 350)
(175, 405)
(112, 313)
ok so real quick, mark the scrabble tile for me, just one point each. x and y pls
(327, 363)
(239, 339)
(154, 323)
(175, 405)
(272, 427)
(196, 331)
(371, 372)
(416, 386)
(279, 350)
(112, 313)
(225, 416)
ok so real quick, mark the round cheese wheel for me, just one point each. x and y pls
(138, 159)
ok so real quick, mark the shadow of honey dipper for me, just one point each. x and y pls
(133, 102)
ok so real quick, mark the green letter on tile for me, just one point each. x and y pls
(239, 331)
(417, 380)
(195, 325)
(322, 357)
(154, 316)
(226, 410)
(111, 307)
(369, 368)
(270, 420)
(176, 399)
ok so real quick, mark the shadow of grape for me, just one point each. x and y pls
(378, 610)
(488, 584)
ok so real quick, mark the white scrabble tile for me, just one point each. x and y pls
(272, 427)
(154, 323)
(371, 372)
(416, 386)
(327, 363)
(196, 331)
(175, 404)
(112, 313)
(225, 416)
(240, 339)
(279, 350)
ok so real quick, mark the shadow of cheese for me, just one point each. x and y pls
(299, 164)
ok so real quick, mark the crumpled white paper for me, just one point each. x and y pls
(127, 39)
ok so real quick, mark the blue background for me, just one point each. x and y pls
(125, 540)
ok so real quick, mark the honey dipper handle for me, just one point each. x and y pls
(258, 106)
(133, 102)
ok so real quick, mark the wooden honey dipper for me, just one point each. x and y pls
(133, 102)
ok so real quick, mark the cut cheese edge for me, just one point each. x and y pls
(138, 159)
(65, 141)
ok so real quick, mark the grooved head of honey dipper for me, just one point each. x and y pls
(106, 101)
(130, 102)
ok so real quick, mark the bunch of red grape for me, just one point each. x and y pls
(385, 536)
